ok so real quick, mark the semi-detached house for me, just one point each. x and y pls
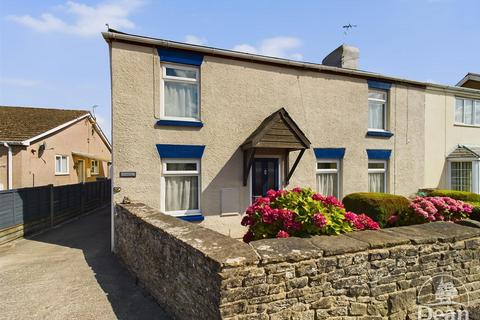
(200, 131)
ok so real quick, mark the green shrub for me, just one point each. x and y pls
(475, 215)
(378, 206)
(457, 195)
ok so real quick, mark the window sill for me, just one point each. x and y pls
(180, 123)
(382, 134)
(466, 125)
(62, 174)
(192, 218)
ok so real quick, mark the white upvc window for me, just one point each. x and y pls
(328, 177)
(377, 110)
(61, 165)
(377, 176)
(179, 93)
(467, 111)
(94, 169)
(181, 186)
(461, 175)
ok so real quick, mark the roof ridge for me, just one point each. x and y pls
(44, 108)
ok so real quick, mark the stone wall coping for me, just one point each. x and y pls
(229, 252)
(222, 249)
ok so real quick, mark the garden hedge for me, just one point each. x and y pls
(458, 195)
(378, 206)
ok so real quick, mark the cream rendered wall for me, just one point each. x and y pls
(236, 96)
(442, 135)
(35, 170)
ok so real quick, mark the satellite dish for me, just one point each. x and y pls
(42, 149)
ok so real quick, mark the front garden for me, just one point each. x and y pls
(301, 212)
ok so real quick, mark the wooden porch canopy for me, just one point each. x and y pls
(277, 131)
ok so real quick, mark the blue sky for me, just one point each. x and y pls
(52, 53)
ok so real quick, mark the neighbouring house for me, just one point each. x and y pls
(40, 146)
(452, 136)
(201, 131)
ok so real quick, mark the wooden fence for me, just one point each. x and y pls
(28, 210)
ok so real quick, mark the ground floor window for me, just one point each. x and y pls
(94, 167)
(61, 165)
(377, 176)
(461, 173)
(182, 186)
(328, 172)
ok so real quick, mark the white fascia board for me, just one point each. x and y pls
(60, 127)
(100, 133)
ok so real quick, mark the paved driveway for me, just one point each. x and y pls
(69, 273)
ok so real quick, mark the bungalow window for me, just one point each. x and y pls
(94, 167)
(182, 186)
(61, 165)
(180, 93)
(467, 111)
(377, 176)
(377, 110)
(461, 175)
(328, 177)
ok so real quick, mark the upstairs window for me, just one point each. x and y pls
(467, 111)
(377, 110)
(61, 165)
(180, 93)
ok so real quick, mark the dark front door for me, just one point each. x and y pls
(264, 176)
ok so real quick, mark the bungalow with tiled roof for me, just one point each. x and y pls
(40, 146)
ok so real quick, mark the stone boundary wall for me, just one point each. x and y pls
(196, 273)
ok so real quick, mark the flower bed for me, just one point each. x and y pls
(300, 212)
(430, 209)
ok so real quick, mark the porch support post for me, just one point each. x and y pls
(286, 166)
(295, 164)
(247, 163)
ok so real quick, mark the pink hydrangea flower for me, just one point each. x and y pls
(440, 208)
(318, 197)
(282, 234)
(319, 220)
(350, 216)
(365, 222)
(297, 190)
(247, 221)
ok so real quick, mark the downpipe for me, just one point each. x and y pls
(9, 166)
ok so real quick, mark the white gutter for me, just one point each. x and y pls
(109, 36)
(9, 166)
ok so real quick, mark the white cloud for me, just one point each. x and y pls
(283, 47)
(81, 19)
(195, 40)
(18, 82)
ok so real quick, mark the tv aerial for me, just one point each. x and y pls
(348, 27)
